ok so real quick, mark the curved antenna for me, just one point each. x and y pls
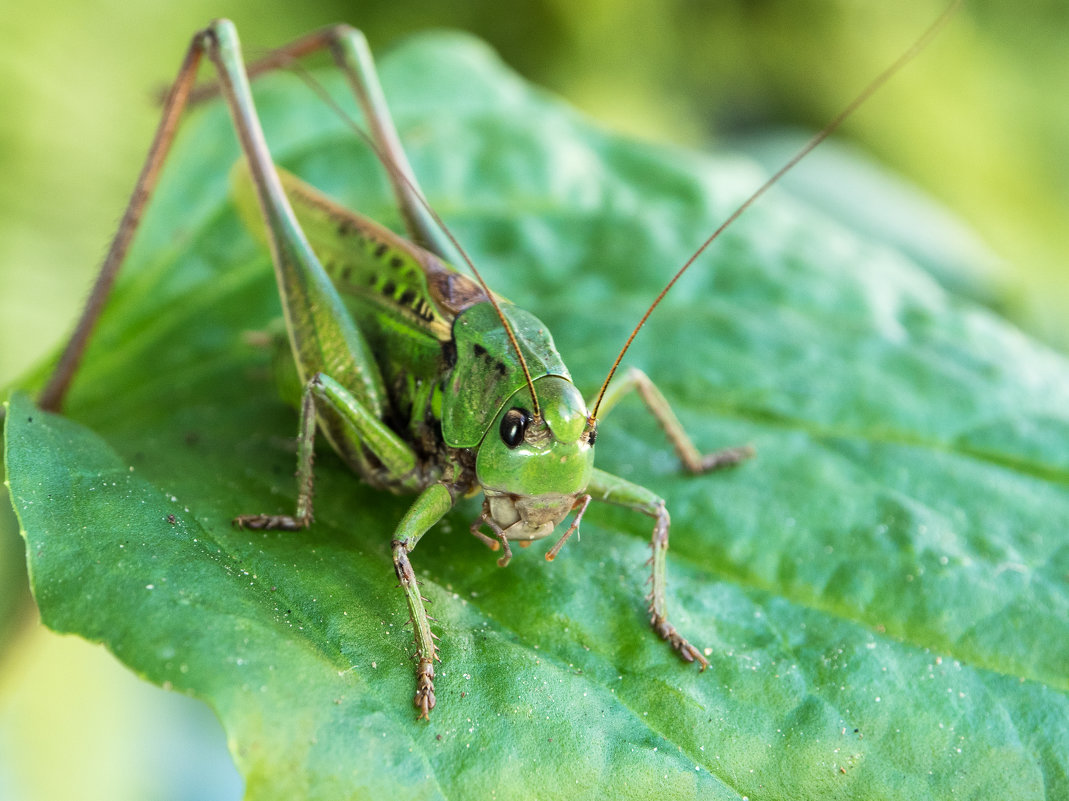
(400, 175)
(918, 45)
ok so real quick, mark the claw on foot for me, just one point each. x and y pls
(424, 698)
(724, 458)
(687, 652)
(271, 522)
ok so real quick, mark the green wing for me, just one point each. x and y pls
(408, 300)
(368, 261)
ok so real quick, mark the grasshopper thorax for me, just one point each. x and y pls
(533, 467)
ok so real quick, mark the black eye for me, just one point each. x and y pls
(513, 426)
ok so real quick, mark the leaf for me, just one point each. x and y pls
(882, 591)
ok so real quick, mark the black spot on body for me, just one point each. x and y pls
(408, 297)
(380, 250)
(397, 262)
(478, 350)
(389, 288)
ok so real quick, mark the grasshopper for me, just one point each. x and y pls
(421, 378)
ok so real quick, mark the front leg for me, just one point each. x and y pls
(428, 509)
(611, 489)
(334, 402)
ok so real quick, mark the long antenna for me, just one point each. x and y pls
(399, 174)
(877, 82)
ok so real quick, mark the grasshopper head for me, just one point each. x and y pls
(533, 468)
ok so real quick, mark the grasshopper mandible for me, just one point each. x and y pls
(473, 398)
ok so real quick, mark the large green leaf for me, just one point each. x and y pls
(882, 592)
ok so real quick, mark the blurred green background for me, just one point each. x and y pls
(977, 121)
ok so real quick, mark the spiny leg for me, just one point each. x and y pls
(348, 418)
(55, 390)
(657, 608)
(428, 509)
(693, 460)
(611, 489)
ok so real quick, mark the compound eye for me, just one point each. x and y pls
(513, 426)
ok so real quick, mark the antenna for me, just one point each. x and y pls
(908, 55)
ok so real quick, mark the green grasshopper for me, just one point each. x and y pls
(420, 378)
